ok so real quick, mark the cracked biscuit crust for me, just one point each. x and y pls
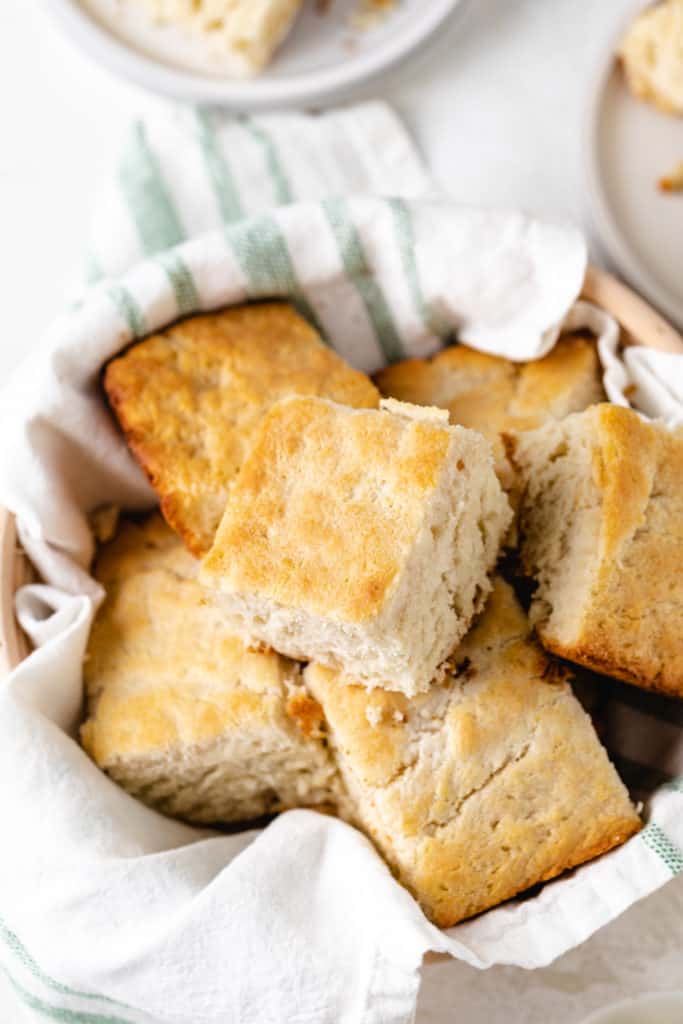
(190, 398)
(617, 516)
(486, 785)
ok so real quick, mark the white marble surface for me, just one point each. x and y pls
(496, 104)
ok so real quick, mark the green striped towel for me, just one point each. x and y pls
(196, 170)
(361, 272)
(109, 913)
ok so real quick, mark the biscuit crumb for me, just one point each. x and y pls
(672, 182)
(307, 713)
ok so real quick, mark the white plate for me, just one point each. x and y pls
(322, 57)
(653, 1008)
(629, 146)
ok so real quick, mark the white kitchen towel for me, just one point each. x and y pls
(110, 913)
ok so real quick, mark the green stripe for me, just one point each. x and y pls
(359, 271)
(91, 268)
(149, 202)
(405, 238)
(60, 1013)
(182, 282)
(128, 309)
(261, 250)
(218, 170)
(16, 946)
(656, 838)
(276, 170)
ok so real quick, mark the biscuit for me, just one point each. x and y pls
(180, 713)
(491, 394)
(490, 783)
(247, 32)
(361, 539)
(602, 529)
(190, 397)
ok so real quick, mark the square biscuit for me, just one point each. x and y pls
(361, 539)
(492, 394)
(602, 529)
(190, 397)
(245, 33)
(179, 712)
(490, 783)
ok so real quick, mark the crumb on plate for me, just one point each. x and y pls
(370, 13)
(673, 181)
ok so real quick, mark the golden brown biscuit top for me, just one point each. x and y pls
(382, 727)
(190, 397)
(326, 507)
(636, 606)
(626, 453)
(638, 468)
(564, 381)
(491, 394)
(161, 669)
(623, 487)
(141, 546)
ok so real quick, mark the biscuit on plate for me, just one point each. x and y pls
(190, 397)
(491, 394)
(246, 31)
(651, 53)
(602, 529)
(180, 713)
(362, 539)
(493, 781)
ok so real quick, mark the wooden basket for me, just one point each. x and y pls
(640, 325)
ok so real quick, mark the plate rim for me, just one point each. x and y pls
(311, 88)
(625, 257)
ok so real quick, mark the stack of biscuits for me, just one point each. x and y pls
(316, 616)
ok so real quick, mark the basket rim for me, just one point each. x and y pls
(640, 324)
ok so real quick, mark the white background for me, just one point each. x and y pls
(497, 106)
